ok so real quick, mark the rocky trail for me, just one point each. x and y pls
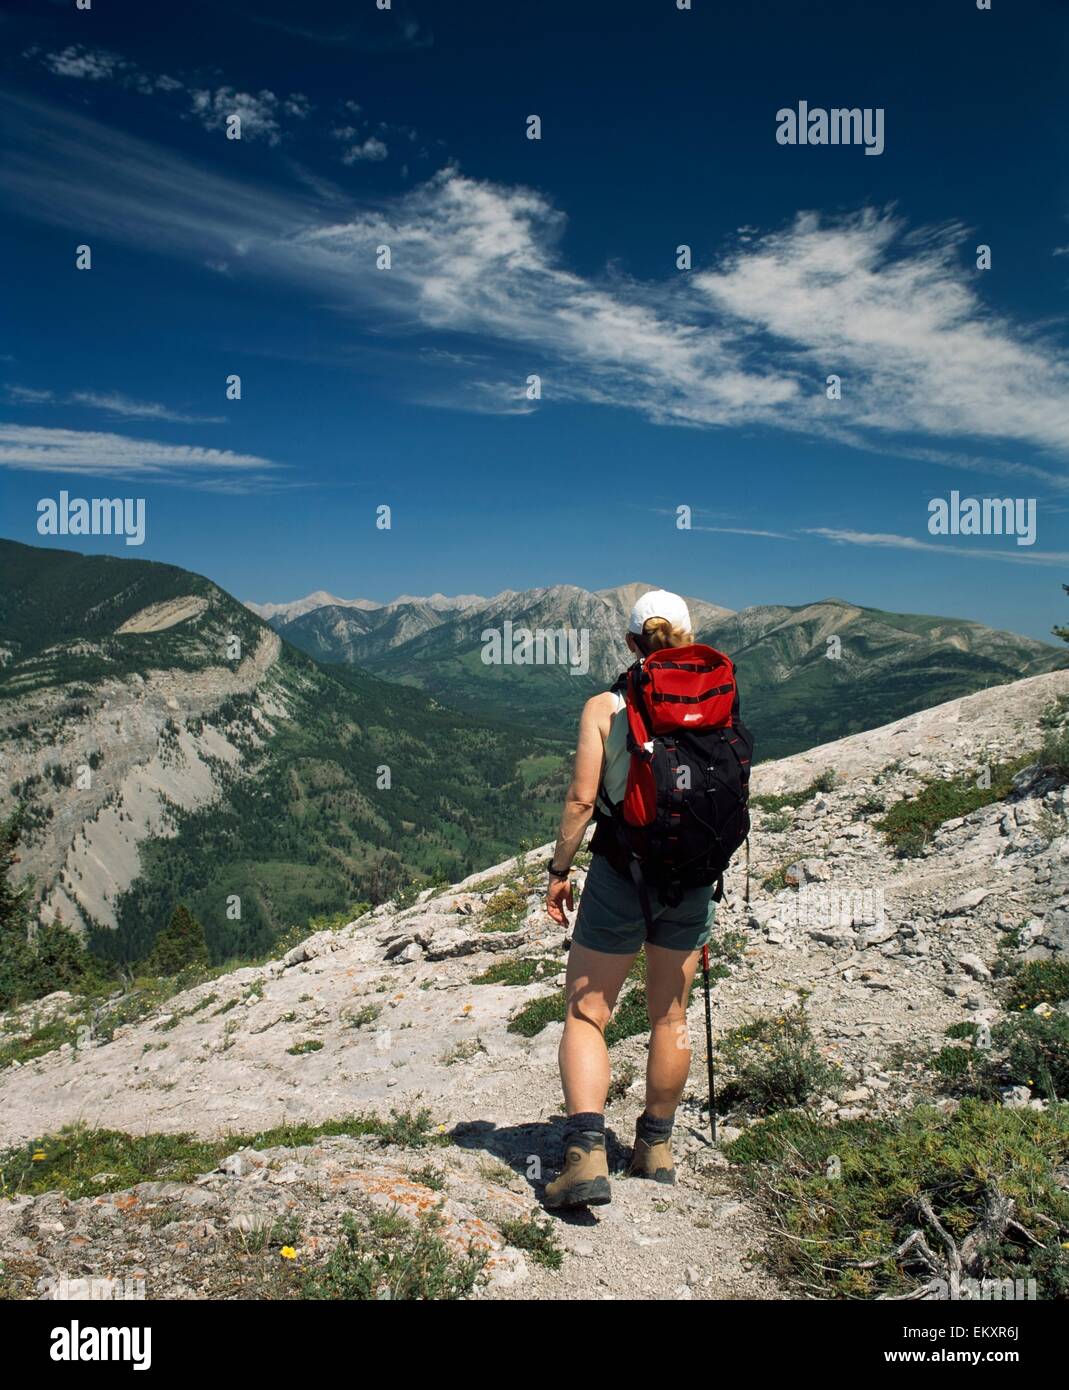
(393, 1012)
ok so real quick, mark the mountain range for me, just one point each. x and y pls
(808, 673)
(169, 746)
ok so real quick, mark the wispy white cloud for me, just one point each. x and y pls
(86, 64)
(35, 449)
(895, 311)
(258, 112)
(90, 65)
(481, 397)
(966, 463)
(746, 531)
(885, 541)
(115, 403)
(261, 112)
(112, 402)
(370, 150)
(28, 395)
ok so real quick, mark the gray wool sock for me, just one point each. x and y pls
(652, 1128)
(585, 1122)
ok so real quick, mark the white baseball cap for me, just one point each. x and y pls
(659, 603)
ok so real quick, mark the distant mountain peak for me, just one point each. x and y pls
(296, 607)
(437, 601)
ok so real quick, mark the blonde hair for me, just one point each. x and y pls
(658, 633)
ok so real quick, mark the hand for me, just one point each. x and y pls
(559, 897)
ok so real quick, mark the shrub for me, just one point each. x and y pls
(523, 970)
(1055, 753)
(848, 1196)
(910, 823)
(538, 1238)
(1038, 982)
(394, 1259)
(775, 1063)
(776, 880)
(1037, 1052)
(776, 801)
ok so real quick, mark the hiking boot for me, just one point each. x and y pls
(652, 1160)
(584, 1179)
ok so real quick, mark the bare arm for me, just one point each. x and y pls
(580, 798)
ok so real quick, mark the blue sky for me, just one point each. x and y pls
(555, 257)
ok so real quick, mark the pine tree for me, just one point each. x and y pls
(181, 943)
(15, 951)
(13, 901)
(55, 958)
(1062, 632)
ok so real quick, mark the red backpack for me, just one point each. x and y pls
(684, 812)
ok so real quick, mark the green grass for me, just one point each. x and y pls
(429, 1176)
(909, 824)
(776, 880)
(507, 909)
(537, 1013)
(628, 1018)
(842, 1198)
(725, 950)
(364, 1016)
(522, 970)
(623, 1077)
(1025, 1049)
(462, 1052)
(393, 1259)
(1055, 753)
(68, 1161)
(773, 1063)
(1038, 982)
(538, 1238)
(777, 801)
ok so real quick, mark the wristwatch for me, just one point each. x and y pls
(558, 873)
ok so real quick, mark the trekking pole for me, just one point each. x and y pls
(709, 1039)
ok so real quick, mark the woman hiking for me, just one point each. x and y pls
(619, 915)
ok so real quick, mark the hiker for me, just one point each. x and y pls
(636, 893)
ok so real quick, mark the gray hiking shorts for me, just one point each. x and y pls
(610, 915)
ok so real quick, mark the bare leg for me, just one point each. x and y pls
(592, 984)
(669, 975)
